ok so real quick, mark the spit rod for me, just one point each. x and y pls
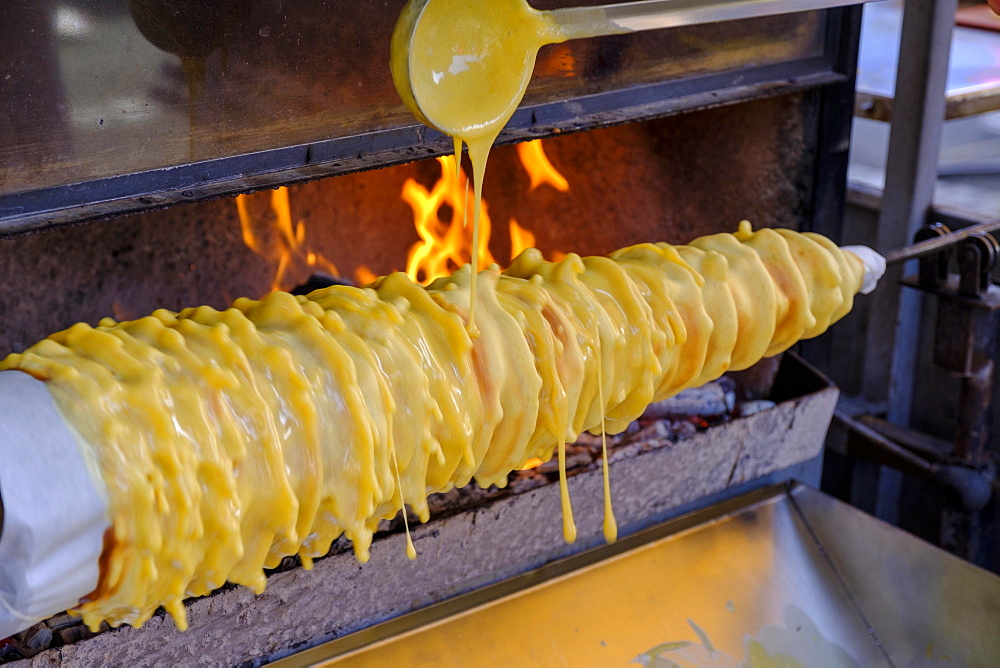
(938, 243)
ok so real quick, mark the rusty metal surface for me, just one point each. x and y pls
(966, 484)
(966, 327)
(925, 445)
(972, 423)
(965, 337)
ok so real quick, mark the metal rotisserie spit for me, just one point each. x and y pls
(133, 123)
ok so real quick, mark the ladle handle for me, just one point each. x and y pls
(577, 22)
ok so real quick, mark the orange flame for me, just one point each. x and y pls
(364, 275)
(520, 239)
(287, 248)
(440, 216)
(538, 166)
(441, 213)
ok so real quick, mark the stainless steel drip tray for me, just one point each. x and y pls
(785, 575)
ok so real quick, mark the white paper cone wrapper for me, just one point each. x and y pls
(54, 512)
(874, 266)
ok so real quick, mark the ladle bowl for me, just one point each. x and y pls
(476, 56)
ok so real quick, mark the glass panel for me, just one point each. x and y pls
(98, 88)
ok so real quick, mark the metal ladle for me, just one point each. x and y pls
(574, 23)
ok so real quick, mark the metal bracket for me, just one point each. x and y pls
(966, 331)
(934, 268)
(968, 311)
(977, 256)
(970, 487)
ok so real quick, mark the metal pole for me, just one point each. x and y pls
(893, 330)
(911, 173)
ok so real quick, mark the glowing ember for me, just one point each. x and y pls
(533, 462)
(120, 312)
(276, 239)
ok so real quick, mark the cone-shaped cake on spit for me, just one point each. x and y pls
(227, 440)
